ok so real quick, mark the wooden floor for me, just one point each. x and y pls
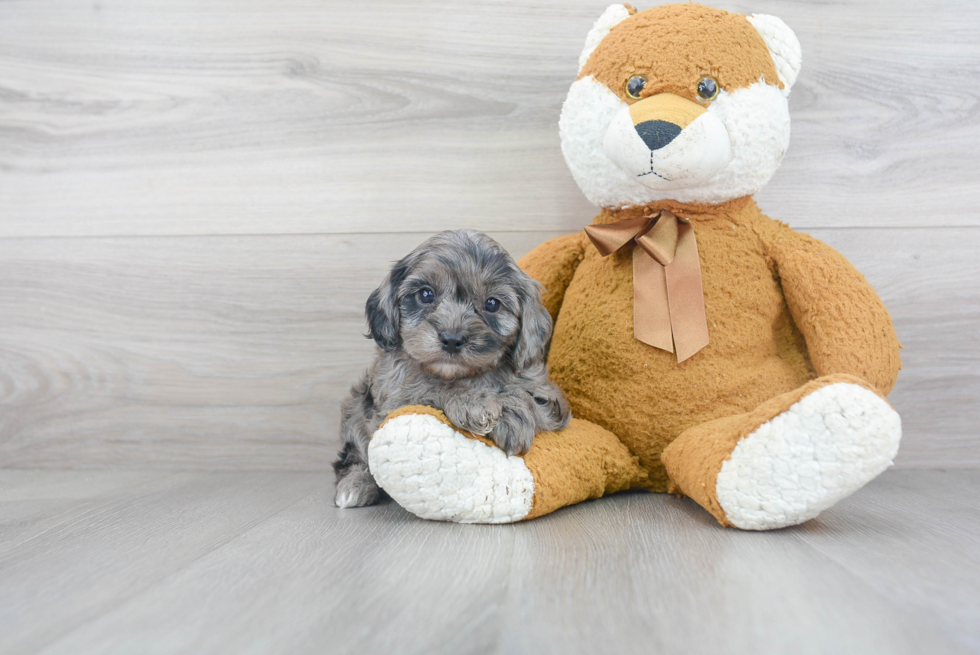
(240, 562)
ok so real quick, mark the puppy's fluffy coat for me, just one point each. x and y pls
(461, 328)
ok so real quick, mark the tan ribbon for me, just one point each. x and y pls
(668, 298)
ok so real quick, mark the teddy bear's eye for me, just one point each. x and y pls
(634, 86)
(707, 89)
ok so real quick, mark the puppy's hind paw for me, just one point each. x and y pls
(356, 489)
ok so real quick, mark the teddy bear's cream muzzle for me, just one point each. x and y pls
(667, 142)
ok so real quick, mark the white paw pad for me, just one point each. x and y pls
(819, 451)
(436, 473)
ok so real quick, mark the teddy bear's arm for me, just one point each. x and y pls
(845, 324)
(553, 264)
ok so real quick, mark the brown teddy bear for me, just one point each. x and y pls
(705, 348)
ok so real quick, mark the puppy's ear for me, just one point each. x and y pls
(535, 334)
(383, 311)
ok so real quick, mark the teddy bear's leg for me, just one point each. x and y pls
(793, 457)
(437, 471)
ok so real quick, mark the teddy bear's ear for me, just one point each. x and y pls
(783, 46)
(613, 15)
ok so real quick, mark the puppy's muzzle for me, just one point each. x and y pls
(452, 342)
(668, 142)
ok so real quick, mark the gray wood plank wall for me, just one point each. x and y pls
(196, 198)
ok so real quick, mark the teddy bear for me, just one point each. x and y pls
(706, 349)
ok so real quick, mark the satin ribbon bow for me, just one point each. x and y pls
(668, 298)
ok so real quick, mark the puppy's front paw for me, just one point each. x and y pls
(514, 431)
(356, 489)
(551, 408)
(478, 415)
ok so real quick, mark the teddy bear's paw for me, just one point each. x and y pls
(804, 460)
(437, 473)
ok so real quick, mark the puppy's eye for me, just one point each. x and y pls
(707, 89)
(426, 296)
(491, 305)
(634, 86)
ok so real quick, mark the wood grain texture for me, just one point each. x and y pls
(205, 352)
(33, 502)
(203, 563)
(904, 521)
(86, 556)
(303, 116)
(301, 146)
(195, 200)
(235, 352)
(376, 580)
(680, 585)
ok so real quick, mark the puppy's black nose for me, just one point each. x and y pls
(451, 341)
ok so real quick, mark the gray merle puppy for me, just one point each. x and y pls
(462, 329)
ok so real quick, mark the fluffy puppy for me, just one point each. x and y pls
(461, 328)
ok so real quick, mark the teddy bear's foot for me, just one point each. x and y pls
(822, 449)
(792, 458)
(436, 472)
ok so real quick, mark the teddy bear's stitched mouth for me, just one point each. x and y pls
(653, 172)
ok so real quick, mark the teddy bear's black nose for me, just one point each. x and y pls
(657, 134)
(451, 341)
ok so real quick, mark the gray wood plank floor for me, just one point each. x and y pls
(261, 562)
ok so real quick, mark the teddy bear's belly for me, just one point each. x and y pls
(641, 393)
